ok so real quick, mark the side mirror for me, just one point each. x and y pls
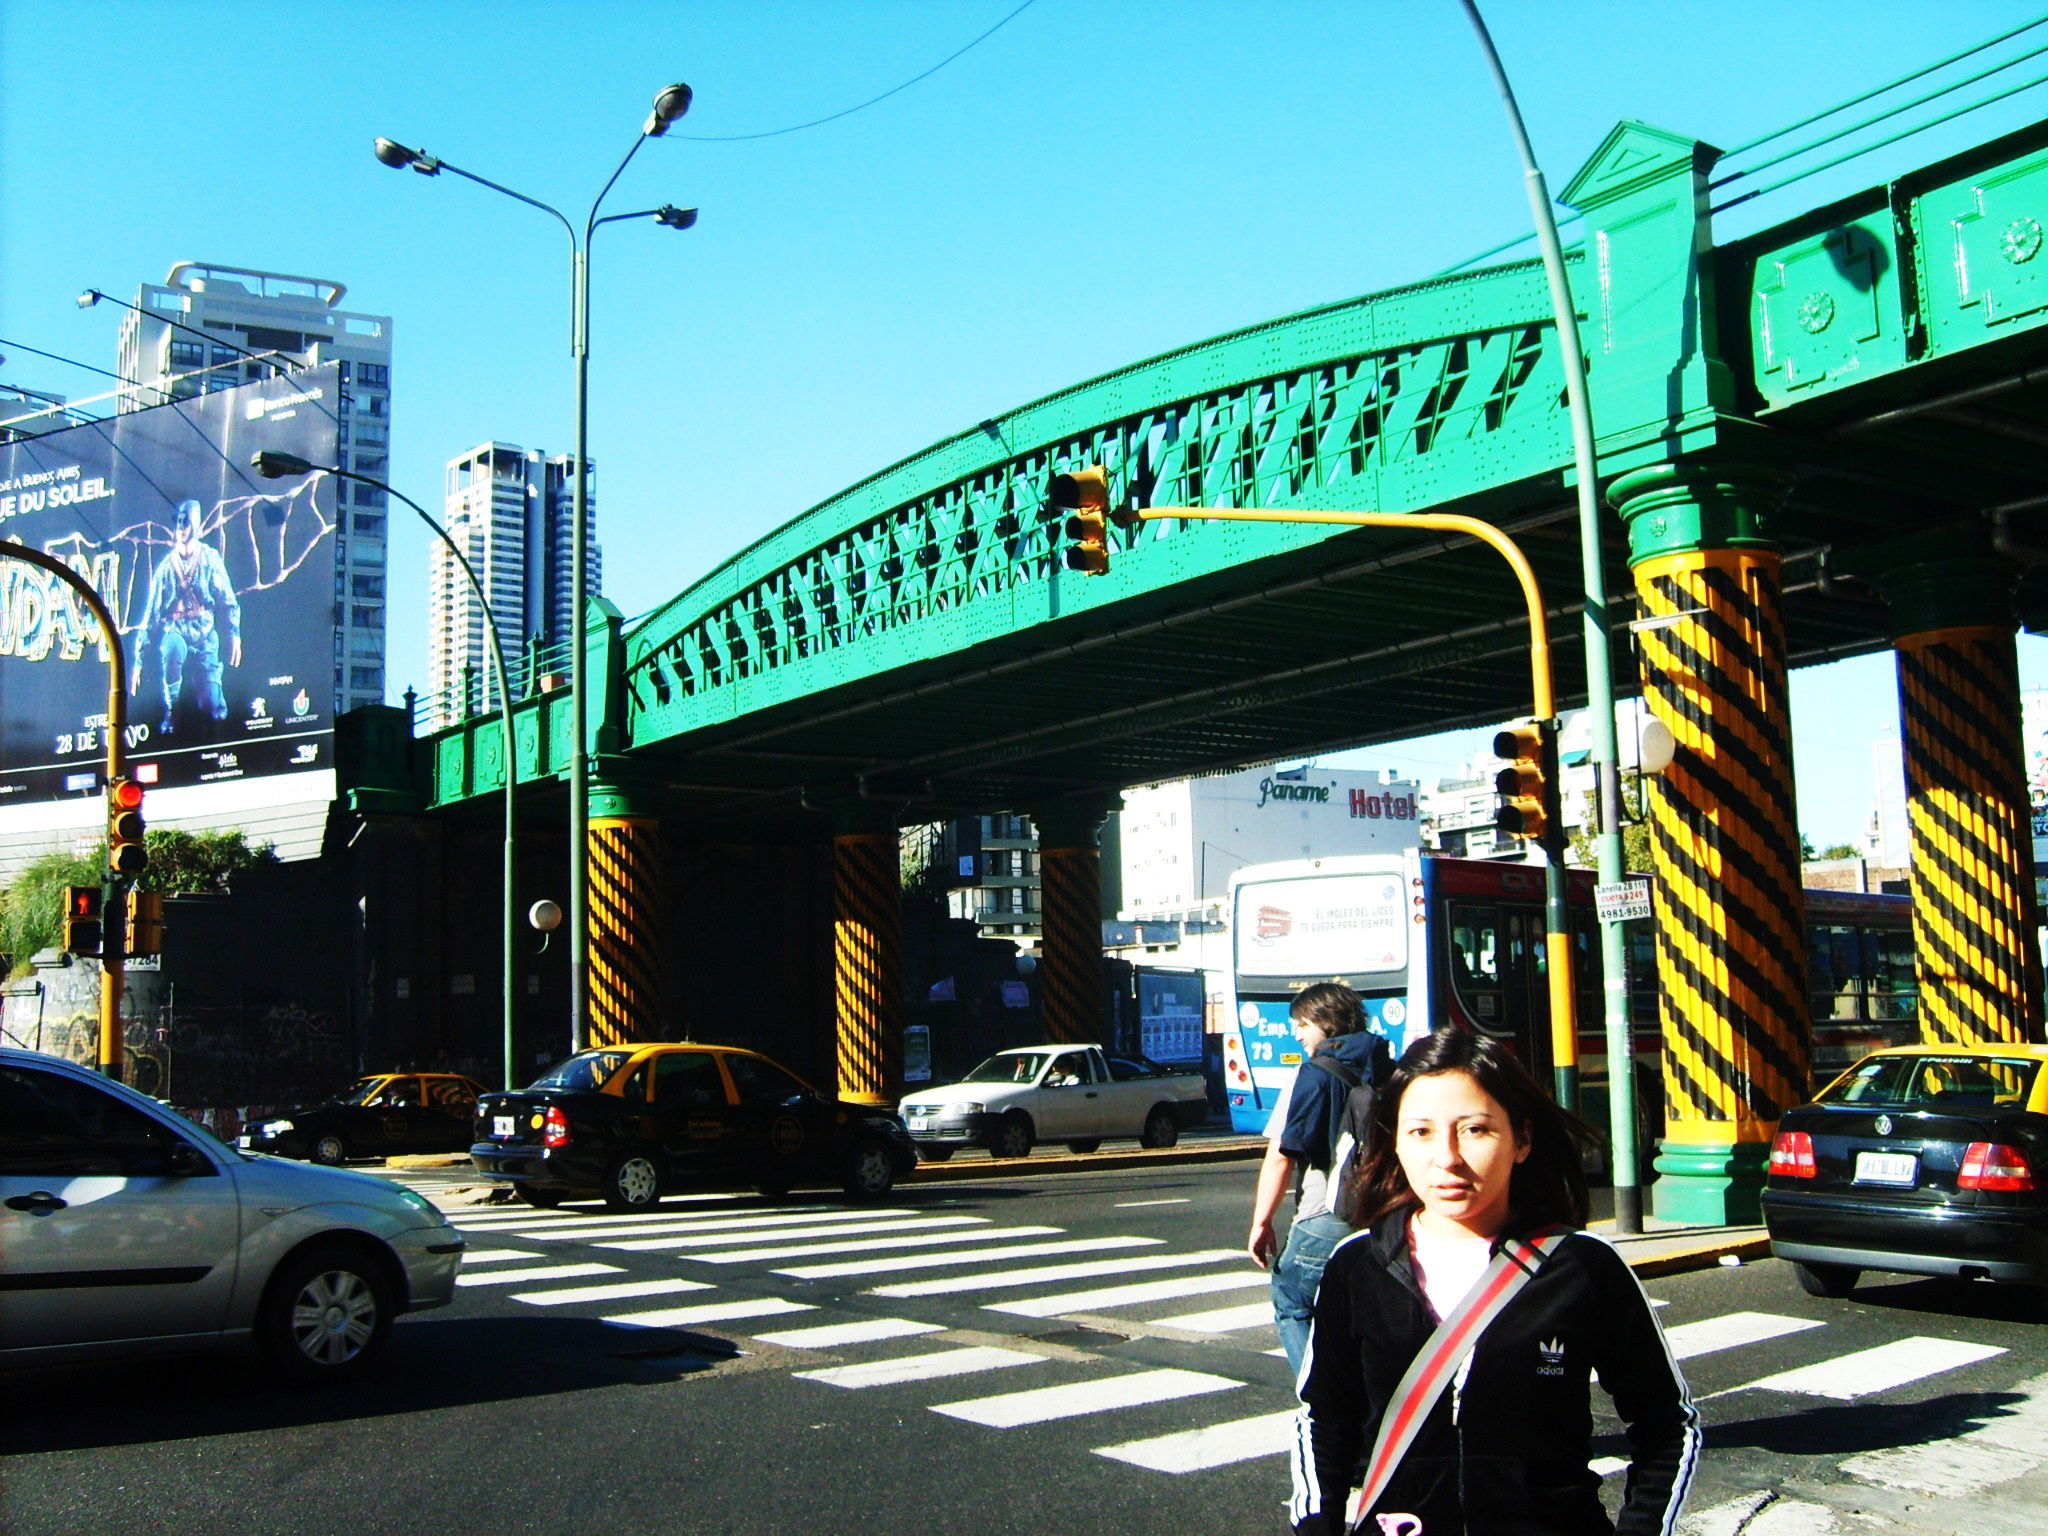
(182, 1160)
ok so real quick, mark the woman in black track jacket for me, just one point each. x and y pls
(1466, 1150)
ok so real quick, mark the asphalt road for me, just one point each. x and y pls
(1083, 1353)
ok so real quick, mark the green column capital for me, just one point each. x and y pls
(1946, 578)
(618, 790)
(1690, 505)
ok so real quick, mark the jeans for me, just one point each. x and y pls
(1296, 1274)
(194, 646)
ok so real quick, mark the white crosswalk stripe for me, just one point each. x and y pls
(537, 1272)
(1253, 1314)
(708, 1221)
(1730, 1330)
(496, 1256)
(968, 1256)
(620, 1291)
(1847, 1377)
(1128, 1295)
(1009, 1410)
(835, 1335)
(770, 1228)
(1216, 1445)
(1048, 1273)
(945, 1362)
(710, 1312)
(875, 1235)
(889, 1241)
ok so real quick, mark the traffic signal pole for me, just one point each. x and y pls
(114, 898)
(1564, 1030)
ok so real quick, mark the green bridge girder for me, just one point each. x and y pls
(914, 643)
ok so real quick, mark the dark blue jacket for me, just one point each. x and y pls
(1315, 1105)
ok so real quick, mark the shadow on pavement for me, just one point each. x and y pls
(1954, 1298)
(428, 1363)
(1846, 1429)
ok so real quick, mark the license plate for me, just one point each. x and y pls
(501, 1126)
(245, 1141)
(1898, 1168)
(919, 1120)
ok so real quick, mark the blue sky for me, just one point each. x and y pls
(1095, 183)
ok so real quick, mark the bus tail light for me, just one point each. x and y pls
(1792, 1156)
(554, 1127)
(1994, 1165)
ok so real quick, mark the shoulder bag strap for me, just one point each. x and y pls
(1513, 1267)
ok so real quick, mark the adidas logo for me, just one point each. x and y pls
(1550, 1360)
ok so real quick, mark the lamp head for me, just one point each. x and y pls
(670, 103)
(274, 465)
(90, 297)
(672, 217)
(1657, 748)
(394, 154)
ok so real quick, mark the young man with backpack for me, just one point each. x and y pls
(1306, 1143)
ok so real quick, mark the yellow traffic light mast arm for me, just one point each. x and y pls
(113, 973)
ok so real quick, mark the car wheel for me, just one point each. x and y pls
(542, 1198)
(326, 1314)
(1013, 1137)
(933, 1154)
(632, 1183)
(869, 1173)
(1161, 1129)
(1085, 1144)
(1826, 1279)
(330, 1149)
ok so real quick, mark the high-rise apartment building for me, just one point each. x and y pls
(511, 511)
(300, 321)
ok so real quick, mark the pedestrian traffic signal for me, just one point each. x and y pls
(1084, 495)
(126, 857)
(82, 919)
(1528, 786)
(145, 923)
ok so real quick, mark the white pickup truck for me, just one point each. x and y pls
(1078, 1094)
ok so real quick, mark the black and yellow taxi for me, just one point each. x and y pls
(632, 1121)
(376, 1116)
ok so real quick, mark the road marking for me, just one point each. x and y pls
(709, 1312)
(2008, 1444)
(877, 1233)
(971, 1256)
(1131, 1205)
(1875, 1370)
(1127, 1295)
(772, 1228)
(865, 1244)
(1253, 1314)
(1011, 1410)
(945, 1362)
(831, 1335)
(710, 1221)
(537, 1272)
(1219, 1445)
(515, 1214)
(496, 1255)
(619, 1291)
(1690, 1340)
(1607, 1466)
(1050, 1272)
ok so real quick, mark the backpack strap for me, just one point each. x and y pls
(1513, 1266)
(1336, 1067)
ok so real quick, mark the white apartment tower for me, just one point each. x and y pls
(511, 511)
(298, 319)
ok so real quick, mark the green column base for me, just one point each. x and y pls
(1715, 1184)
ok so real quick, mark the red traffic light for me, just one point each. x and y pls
(124, 795)
(126, 857)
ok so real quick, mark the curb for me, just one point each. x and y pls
(1081, 1162)
(1705, 1256)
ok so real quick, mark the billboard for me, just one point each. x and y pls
(221, 583)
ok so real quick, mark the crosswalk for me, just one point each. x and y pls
(853, 1282)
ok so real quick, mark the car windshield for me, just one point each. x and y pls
(586, 1070)
(361, 1090)
(1936, 1082)
(1007, 1067)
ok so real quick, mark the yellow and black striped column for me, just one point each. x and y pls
(625, 915)
(867, 965)
(1731, 957)
(1072, 999)
(1975, 908)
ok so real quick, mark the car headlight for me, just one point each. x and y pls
(419, 1202)
(969, 1109)
(276, 1127)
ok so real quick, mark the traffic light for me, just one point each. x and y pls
(145, 923)
(1084, 495)
(1528, 786)
(126, 857)
(82, 919)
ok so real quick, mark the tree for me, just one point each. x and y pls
(1635, 833)
(1839, 851)
(199, 863)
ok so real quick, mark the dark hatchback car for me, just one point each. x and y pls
(629, 1122)
(1919, 1160)
(380, 1115)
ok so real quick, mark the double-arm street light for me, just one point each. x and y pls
(669, 105)
(273, 465)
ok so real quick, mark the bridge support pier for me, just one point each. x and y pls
(1974, 904)
(1070, 896)
(867, 960)
(625, 916)
(1731, 956)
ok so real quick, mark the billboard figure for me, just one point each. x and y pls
(191, 605)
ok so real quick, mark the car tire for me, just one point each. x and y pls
(870, 1174)
(1085, 1145)
(632, 1183)
(933, 1154)
(326, 1314)
(541, 1198)
(1161, 1129)
(1012, 1138)
(1830, 1280)
(329, 1149)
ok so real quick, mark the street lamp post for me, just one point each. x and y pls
(273, 465)
(669, 104)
